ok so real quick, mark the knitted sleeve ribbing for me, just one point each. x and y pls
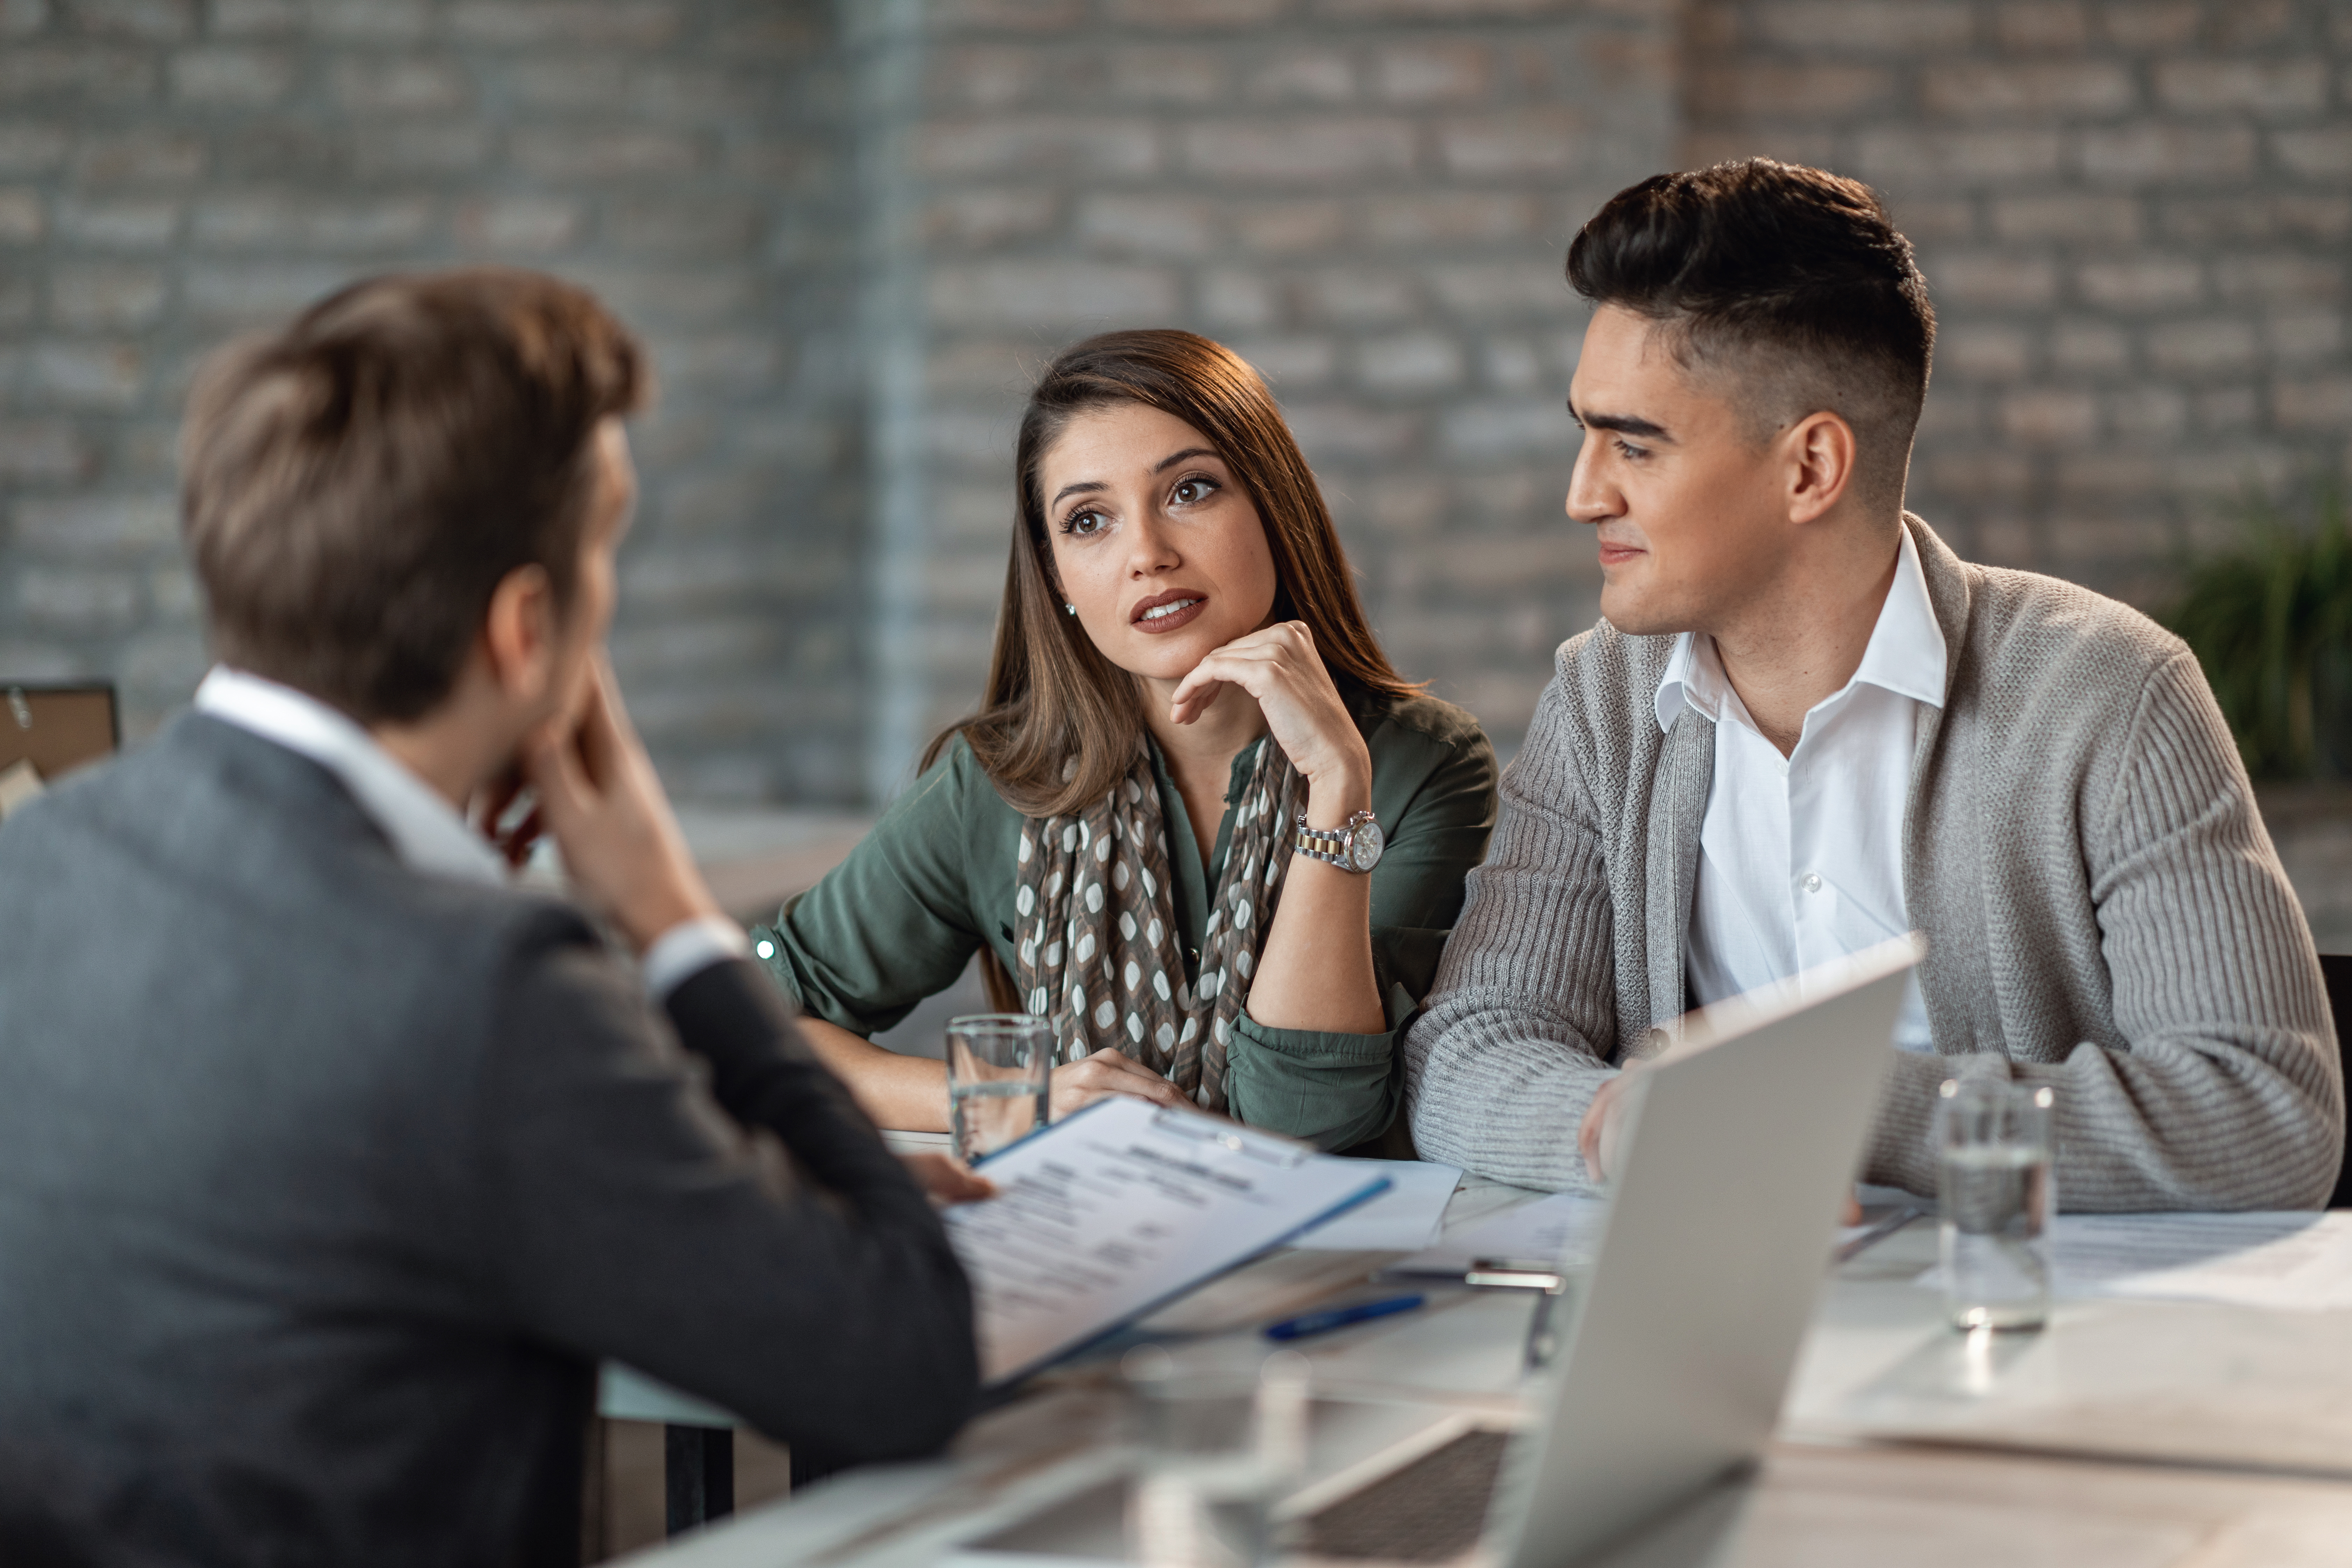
(2226, 1092)
(1513, 1041)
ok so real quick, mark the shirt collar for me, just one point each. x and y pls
(1905, 654)
(1675, 687)
(427, 832)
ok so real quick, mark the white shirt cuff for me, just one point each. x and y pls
(688, 948)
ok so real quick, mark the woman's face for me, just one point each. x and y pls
(1153, 540)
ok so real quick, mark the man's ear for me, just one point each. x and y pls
(1820, 451)
(519, 634)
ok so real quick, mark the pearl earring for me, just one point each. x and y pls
(1072, 609)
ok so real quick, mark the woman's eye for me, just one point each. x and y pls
(1083, 523)
(1188, 492)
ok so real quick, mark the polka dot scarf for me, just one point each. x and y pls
(1098, 950)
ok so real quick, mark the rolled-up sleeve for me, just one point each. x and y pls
(1333, 1090)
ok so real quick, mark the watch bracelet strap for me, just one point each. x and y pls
(1325, 844)
(1317, 844)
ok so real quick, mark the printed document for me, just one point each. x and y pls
(1405, 1218)
(1562, 1229)
(2293, 1260)
(1122, 1208)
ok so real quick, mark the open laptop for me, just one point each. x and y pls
(1741, 1141)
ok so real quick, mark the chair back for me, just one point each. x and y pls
(47, 731)
(2337, 967)
(58, 728)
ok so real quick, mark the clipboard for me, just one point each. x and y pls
(1110, 1215)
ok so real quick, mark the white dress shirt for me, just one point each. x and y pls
(1801, 857)
(427, 832)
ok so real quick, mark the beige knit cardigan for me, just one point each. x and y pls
(2102, 906)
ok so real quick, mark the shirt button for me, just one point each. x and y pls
(1812, 884)
(765, 948)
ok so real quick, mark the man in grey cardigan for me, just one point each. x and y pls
(1804, 725)
(330, 1163)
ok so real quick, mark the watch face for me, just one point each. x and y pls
(1370, 841)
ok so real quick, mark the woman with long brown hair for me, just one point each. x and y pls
(1198, 821)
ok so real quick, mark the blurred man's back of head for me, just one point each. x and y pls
(356, 485)
(331, 1162)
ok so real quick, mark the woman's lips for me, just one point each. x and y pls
(1183, 617)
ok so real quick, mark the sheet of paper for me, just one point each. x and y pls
(1405, 1218)
(2297, 1261)
(1106, 1216)
(1562, 1228)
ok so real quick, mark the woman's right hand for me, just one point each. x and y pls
(1080, 1083)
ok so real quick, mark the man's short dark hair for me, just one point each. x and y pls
(1788, 281)
(354, 487)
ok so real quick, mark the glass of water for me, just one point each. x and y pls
(997, 1067)
(1221, 1438)
(1994, 1184)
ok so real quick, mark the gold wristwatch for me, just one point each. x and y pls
(1354, 846)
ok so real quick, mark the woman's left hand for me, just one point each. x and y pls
(1278, 666)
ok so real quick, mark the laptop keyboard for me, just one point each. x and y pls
(1431, 1511)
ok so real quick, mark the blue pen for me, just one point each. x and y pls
(1308, 1323)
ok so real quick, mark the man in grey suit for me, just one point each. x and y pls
(330, 1163)
(1804, 726)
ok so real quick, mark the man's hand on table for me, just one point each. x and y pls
(1596, 1136)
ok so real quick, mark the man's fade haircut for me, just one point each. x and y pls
(354, 487)
(1790, 284)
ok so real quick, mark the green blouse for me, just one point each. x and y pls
(900, 917)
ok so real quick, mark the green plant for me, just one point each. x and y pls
(2268, 618)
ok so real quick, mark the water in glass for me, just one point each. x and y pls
(998, 1065)
(1995, 1194)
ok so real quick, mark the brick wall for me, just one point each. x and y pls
(2133, 215)
(171, 172)
(1369, 199)
(851, 232)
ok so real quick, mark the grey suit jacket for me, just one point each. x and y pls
(324, 1183)
(2102, 910)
